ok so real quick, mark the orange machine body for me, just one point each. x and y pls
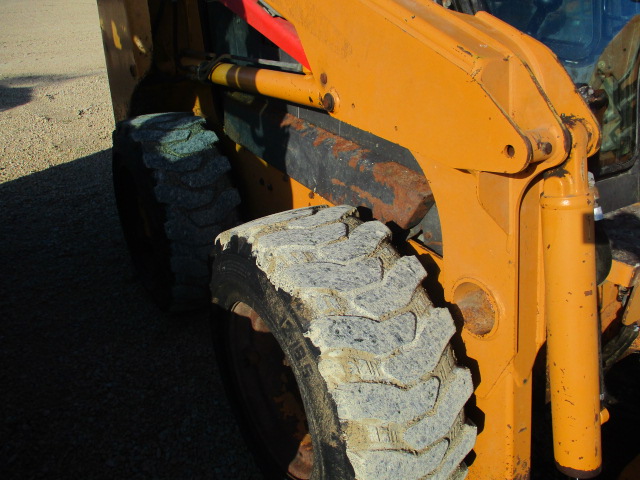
(501, 136)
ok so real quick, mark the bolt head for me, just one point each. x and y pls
(328, 102)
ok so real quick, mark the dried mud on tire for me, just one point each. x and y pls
(380, 384)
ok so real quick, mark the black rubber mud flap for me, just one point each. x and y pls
(173, 196)
(338, 360)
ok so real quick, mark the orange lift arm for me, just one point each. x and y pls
(485, 110)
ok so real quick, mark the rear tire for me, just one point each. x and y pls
(368, 352)
(174, 196)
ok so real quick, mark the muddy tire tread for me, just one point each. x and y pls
(383, 347)
(191, 181)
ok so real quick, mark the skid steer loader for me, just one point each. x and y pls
(418, 221)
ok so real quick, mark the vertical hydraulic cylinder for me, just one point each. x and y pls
(571, 312)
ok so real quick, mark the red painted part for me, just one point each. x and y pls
(276, 29)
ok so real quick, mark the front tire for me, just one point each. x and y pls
(368, 354)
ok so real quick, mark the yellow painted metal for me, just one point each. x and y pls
(632, 312)
(485, 110)
(510, 103)
(296, 88)
(427, 48)
(604, 416)
(572, 313)
(623, 274)
(635, 346)
(126, 36)
(130, 51)
(266, 190)
(610, 305)
(489, 254)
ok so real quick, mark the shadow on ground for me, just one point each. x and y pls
(17, 91)
(11, 97)
(95, 382)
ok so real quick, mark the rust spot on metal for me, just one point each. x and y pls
(411, 191)
(322, 136)
(354, 160)
(342, 145)
(257, 324)
(359, 176)
(588, 293)
(328, 102)
(293, 122)
(302, 464)
(393, 192)
(474, 309)
(462, 49)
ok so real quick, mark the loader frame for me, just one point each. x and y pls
(503, 155)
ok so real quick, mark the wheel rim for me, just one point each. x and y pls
(269, 393)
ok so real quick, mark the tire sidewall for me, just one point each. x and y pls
(128, 163)
(236, 278)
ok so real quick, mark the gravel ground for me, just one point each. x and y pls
(95, 382)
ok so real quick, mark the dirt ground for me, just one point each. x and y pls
(95, 383)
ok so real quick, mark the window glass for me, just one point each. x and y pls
(598, 42)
